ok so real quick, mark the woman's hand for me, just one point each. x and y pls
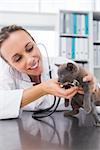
(89, 78)
(52, 87)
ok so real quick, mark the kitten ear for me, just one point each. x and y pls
(58, 65)
(70, 66)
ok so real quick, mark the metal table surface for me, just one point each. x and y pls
(53, 133)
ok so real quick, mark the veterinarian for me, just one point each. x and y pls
(24, 78)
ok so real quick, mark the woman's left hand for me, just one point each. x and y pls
(89, 78)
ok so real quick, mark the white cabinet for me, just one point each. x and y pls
(76, 37)
(96, 43)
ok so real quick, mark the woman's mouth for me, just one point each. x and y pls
(34, 66)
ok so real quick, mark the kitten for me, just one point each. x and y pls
(72, 74)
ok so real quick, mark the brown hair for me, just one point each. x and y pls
(7, 30)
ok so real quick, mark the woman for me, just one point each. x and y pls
(21, 71)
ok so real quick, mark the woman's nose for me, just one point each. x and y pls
(29, 60)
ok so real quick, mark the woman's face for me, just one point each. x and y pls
(22, 53)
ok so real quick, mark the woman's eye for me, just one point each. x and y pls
(29, 49)
(18, 58)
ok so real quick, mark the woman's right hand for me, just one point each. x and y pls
(53, 87)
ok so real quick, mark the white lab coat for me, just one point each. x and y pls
(12, 84)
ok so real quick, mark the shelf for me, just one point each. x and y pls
(81, 61)
(96, 43)
(96, 16)
(73, 35)
(96, 67)
(74, 12)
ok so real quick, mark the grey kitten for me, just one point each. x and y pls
(72, 74)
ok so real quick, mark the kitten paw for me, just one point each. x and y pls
(66, 102)
(97, 124)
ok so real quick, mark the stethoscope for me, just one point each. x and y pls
(42, 113)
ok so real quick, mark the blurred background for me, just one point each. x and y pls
(41, 17)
